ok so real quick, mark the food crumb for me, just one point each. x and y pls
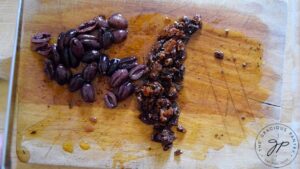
(93, 119)
(243, 118)
(227, 32)
(68, 147)
(167, 20)
(178, 152)
(234, 59)
(70, 103)
(219, 55)
(180, 128)
(245, 65)
(89, 128)
(84, 146)
(33, 132)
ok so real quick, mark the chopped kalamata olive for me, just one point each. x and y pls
(113, 66)
(49, 69)
(110, 100)
(119, 35)
(180, 128)
(219, 55)
(45, 51)
(165, 137)
(101, 21)
(41, 37)
(168, 62)
(74, 62)
(66, 58)
(89, 72)
(137, 72)
(107, 39)
(125, 90)
(55, 55)
(162, 77)
(128, 62)
(117, 21)
(60, 43)
(103, 64)
(87, 36)
(90, 44)
(88, 93)
(157, 95)
(178, 152)
(38, 46)
(40, 43)
(68, 36)
(91, 56)
(76, 82)
(62, 74)
(76, 48)
(87, 26)
(119, 77)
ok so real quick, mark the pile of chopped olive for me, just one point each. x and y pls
(157, 96)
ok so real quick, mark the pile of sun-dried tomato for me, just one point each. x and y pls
(159, 91)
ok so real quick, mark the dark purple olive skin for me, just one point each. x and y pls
(137, 72)
(49, 69)
(87, 26)
(87, 36)
(45, 51)
(128, 63)
(125, 90)
(117, 21)
(90, 43)
(110, 100)
(41, 37)
(89, 72)
(68, 36)
(103, 64)
(101, 22)
(55, 57)
(119, 77)
(91, 56)
(38, 46)
(107, 39)
(76, 83)
(65, 57)
(77, 48)
(62, 75)
(74, 62)
(60, 43)
(119, 35)
(113, 66)
(88, 93)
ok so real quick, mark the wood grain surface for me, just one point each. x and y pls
(219, 101)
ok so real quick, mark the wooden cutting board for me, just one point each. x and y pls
(224, 103)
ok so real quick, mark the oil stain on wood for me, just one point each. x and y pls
(219, 98)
